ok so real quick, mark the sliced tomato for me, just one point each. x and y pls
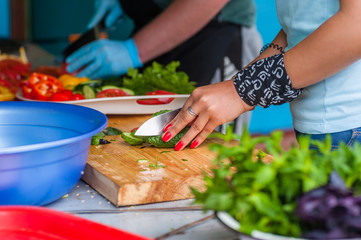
(149, 101)
(77, 96)
(64, 95)
(113, 92)
(156, 101)
(162, 92)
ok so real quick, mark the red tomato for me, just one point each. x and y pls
(77, 96)
(64, 95)
(153, 101)
(162, 92)
(113, 92)
(156, 101)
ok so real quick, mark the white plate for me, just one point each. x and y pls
(125, 105)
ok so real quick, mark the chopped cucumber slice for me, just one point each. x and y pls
(131, 139)
(88, 92)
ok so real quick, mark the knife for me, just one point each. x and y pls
(87, 37)
(155, 125)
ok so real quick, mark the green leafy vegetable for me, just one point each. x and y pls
(110, 131)
(95, 140)
(157, 77)
(98, 139)
(262, 196)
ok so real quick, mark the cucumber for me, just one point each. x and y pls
(157, 141)
(131, 139)
(92, 83)
(127, 90)
(160, 112)
(88, 92)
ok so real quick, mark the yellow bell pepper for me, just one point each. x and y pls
(70, 82)
(6, 94)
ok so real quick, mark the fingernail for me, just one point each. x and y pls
(167, 127)
(166, 136)
(194, 144)
(178, 146)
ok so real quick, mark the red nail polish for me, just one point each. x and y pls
(178, 146)
(194, 144)
(167, 127)
(166, 136)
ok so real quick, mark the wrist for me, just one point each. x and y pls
(133, 52)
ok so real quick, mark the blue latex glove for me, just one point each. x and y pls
(111, 8)
(104, 58)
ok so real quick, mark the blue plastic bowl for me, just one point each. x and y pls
(43, 149)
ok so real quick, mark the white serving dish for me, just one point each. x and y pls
(125, 105)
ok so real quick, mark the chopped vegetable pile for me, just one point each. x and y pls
(264, 196)
(156, 80)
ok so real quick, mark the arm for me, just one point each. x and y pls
(329, 49)
(180, 21)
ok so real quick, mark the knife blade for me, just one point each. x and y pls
(87, 37)
(155, 125)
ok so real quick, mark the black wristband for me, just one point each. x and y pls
(265, 83)
(271, 45)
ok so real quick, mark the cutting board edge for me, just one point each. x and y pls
(97, 181)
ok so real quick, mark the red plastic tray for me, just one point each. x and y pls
(40, 223)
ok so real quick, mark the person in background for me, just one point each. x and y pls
(210, 38)
(313, 62)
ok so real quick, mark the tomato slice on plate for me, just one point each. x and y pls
(77, 96)
(64, 95)
(156, 101)
(113, 92)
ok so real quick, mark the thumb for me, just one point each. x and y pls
(98, 16)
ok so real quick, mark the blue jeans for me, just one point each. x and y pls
(349, 137)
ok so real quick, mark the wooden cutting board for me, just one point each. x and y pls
(131, 175)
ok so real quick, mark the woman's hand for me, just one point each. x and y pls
(206, 108)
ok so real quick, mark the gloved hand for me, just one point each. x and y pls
(111, 8)
(104, 58)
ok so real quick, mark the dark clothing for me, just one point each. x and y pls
(201, 55)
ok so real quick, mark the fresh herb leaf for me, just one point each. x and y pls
(164, 152)
(96, 138)
(111, 131)
(263, 196)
